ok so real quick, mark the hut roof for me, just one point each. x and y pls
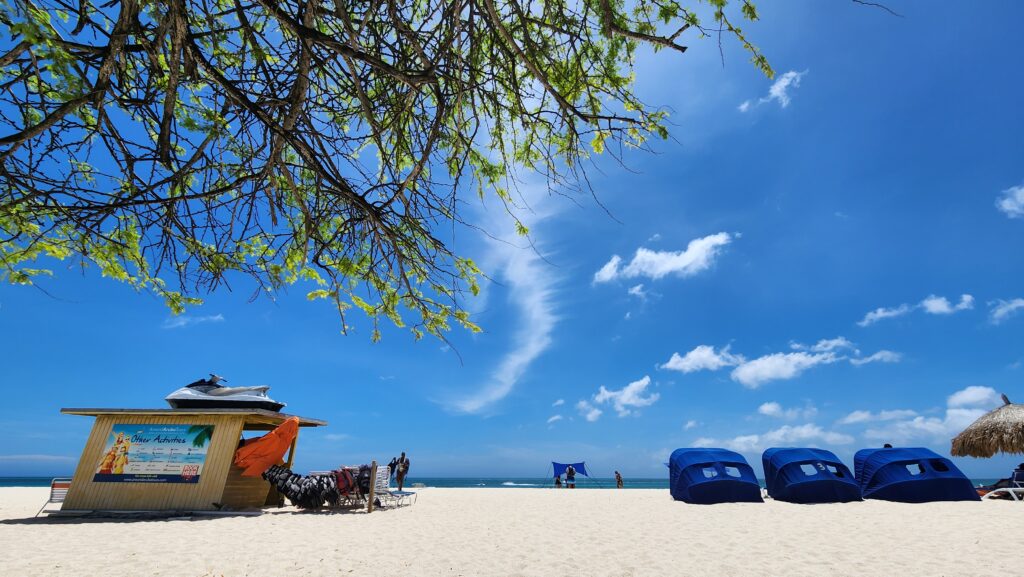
(255, 419)
(999, 431)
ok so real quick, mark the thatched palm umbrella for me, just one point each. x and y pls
(999, 431)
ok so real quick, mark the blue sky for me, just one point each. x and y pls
(789, 270)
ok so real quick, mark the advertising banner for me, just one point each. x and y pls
(154, 454)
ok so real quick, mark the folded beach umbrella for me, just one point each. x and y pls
(808, 476)
(707, 476)
(910, 475)
(260, 454)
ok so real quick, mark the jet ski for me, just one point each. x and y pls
(211, 394)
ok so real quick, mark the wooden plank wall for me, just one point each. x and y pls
(87, 495)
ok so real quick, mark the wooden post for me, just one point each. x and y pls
(291, 451)
(373, 484)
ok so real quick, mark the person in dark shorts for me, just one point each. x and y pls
(558, 482)
(402, 467)
(570, 477)
(618, 480)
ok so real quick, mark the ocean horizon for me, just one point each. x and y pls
(474, 482)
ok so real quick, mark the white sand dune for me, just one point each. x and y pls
(540, 532)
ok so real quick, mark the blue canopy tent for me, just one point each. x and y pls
(808, 476)
(910, 475)
(708, 476)
(581, 468)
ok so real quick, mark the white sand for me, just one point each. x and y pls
(529, 532)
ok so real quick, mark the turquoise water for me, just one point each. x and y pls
(496, 482)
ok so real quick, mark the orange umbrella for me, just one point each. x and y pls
(260, 454)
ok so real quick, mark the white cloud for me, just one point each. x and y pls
(867, 416)
(931, 304)
(826, 345)
(975, 396)
(784, 435)
(337, 436)
(702, 358)
(774, 409)
(638, 291)
(1012, 202)
(941, 306)
(182, 321)
(654, 237)
(691, 424)
(962, 408)
(558, 403)
(779, 366)
(589, 412)
(531, 288)
(554, 419)
(1002, 310)
(778, 92)
(884, 313)
(882, 356)
(699, 255)
(609, 271)
(629, 397)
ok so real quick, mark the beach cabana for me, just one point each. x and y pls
(808, 476)
(708, 476)
(171, 460)
(910, 475)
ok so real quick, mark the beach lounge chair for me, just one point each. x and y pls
(383, 491)
(1015, 490)
(58, 491)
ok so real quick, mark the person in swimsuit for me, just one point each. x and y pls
(402, 470)
(570, 477)
(618, 480)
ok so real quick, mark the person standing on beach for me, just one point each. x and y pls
(403, 469)
(570, 477)
(618, 480)
(393, 467)
(558, 482)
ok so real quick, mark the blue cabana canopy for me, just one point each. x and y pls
(707, 476)
(910, 475)
(581, 468)
(808, 476)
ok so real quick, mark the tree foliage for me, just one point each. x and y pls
(175, 144)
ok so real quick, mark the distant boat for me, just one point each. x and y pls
(210, 394)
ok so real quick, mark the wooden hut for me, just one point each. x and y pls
(170, 460)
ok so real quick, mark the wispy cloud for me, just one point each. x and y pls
(775, 366)
(588, 411)
(698, 256)
(882, 356)
(638, 291)
(182, 321)
(882, 313)
(779, 91)
(691, 424)
(558, 403)
(1011, 203)
(867, 416)
(531, 282)
(1002, 310)
(932, 304)
(786, 434)
(962, 408)
(628, 398)
(776, 410)
(554, 419)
